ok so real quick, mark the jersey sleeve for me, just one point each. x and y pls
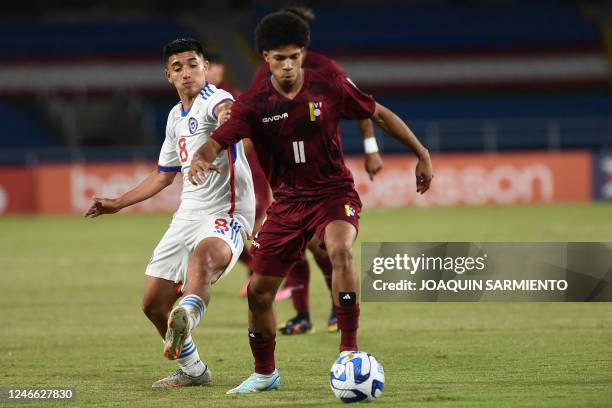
(169, 160)
(356, 104)
(217, 98)
(238, 126)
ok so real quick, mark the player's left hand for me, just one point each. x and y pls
(373, 164)
(200, 169)
(424, 174)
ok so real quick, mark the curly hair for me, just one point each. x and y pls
(303, 12)
(279, 29)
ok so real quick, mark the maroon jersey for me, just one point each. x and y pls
(298, 141)
(313, 60)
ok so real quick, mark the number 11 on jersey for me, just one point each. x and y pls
(298, 152)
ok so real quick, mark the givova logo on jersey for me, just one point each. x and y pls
(316, 111)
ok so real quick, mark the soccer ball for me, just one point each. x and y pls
(357, 376)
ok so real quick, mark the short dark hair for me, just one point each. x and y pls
(304, 13)
(182, 45)
(279, 29)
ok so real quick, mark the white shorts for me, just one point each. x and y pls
(171, 257)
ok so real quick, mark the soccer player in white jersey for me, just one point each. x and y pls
(207, 232)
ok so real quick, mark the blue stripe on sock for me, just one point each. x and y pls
(187, 349)
(187, 352)
(191, 302)
(195, 306)
(194, 299)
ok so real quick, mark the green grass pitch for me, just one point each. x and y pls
(70, 316)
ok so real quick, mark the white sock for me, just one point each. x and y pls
(266, 375)
(189, 359)
(195, 309)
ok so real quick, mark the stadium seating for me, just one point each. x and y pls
(499, 118)
(98, 38)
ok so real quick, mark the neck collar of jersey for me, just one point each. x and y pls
(183, 113)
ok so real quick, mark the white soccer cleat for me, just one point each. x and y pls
(257, 383)
(181, 379)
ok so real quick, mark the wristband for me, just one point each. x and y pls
(369, 145)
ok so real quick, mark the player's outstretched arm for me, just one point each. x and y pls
(373, 161)
(202, 162)
(150, 186)
(394, 126)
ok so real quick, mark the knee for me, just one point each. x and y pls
(260, 298)
(340, 254)
(209, 263)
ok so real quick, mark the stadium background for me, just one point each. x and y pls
(512, 98)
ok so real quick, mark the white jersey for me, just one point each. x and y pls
(229, 193)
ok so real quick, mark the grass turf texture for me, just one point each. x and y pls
(70, 316)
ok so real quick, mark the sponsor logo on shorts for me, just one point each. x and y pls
(222, 227)
(236, 227)
(349, 211)
(256, 244)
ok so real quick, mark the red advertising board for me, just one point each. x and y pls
(460, 179)
(17, 192)
(68, 188)
(480, 179)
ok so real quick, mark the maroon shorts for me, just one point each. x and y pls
(289, 226)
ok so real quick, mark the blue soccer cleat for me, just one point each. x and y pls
(257, 383)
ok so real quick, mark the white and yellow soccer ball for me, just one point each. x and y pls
(357, 376)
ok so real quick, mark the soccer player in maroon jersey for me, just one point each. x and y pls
(298, 278)
(293, 121)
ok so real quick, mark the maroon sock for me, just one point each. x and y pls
(298, 279)
(245, 257)
(263, 352)
(326, 267)
(348, 322)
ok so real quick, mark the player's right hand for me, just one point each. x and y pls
(373, 164)
(102, 206)
(199, 169)
(424, 174)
